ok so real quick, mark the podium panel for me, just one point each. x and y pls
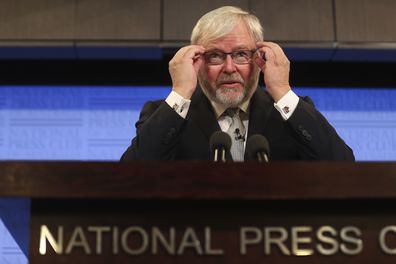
(212, 232)
(198, 212)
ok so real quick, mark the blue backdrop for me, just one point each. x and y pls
(97, 123)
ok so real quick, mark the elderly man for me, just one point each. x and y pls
(226, 55)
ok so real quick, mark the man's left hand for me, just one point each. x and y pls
(275, 67)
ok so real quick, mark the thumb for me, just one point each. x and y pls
(260, 62)
(197, 64)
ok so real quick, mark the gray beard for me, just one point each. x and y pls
(223, 96)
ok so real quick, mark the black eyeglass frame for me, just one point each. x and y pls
(224, 56)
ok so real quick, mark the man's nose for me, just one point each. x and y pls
(229, 65)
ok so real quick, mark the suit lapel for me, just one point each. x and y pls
(261, 106)
(201, 113)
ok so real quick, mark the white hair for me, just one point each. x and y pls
(221, 21)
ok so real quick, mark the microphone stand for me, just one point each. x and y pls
(216, 155)
(261, 156)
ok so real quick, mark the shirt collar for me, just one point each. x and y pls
(220, 109)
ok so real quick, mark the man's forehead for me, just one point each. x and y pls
(238, 37)
(227, 47)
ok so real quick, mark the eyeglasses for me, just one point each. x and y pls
(217, 57)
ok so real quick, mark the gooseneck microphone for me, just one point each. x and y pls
(220, 144)
(257, 148)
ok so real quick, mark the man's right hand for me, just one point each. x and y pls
(183, 69)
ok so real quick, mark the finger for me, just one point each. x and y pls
(260, 62)
(267, 54)
(197, 63)
(259, 53)
(265, 57)
(278, 51)
(192, 52)
(189, 48)
(198, 56)
(269, 44)
(280, 54)
(188, 54)
(263, 48)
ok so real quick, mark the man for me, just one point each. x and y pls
(226, 55)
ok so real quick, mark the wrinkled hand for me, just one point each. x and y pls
(276, 68)
(183, 69)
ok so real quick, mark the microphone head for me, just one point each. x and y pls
(257, 144)
(220, 139)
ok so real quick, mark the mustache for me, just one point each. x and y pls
(234, 77)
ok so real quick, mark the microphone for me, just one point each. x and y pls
(220, 143)
(257, 148)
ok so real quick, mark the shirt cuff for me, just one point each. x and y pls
(287, 104)
(178, 103)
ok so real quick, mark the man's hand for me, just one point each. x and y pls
(275, 66)
(183, 69)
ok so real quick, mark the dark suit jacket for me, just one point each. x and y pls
(163, 135)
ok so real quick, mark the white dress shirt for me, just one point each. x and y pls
(285, 106)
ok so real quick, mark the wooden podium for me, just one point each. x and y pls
(200, 212)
